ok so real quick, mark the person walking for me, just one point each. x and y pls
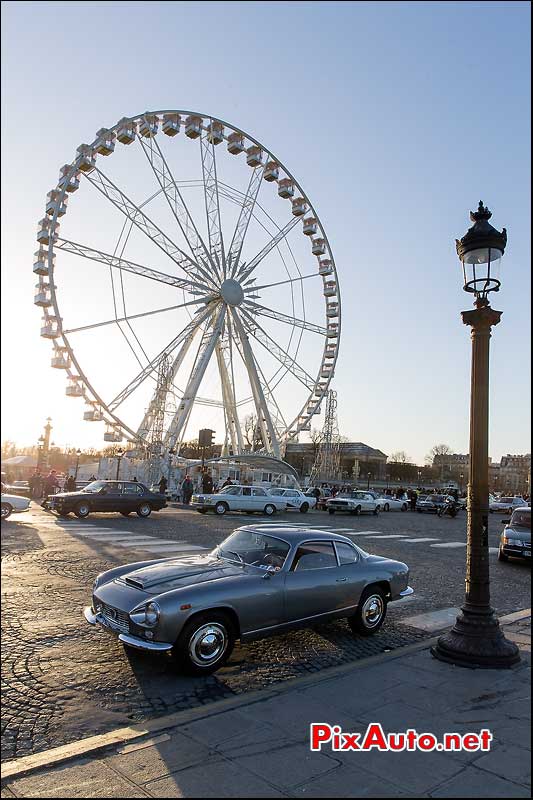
(412, 502)
(187, 490)
(71, 484)
(163, 485)
(227, 482)
(207, 483)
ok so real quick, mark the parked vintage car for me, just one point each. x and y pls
(19, 488)
(261, 580)
(121, 496)
(354, 503)
(391, 503)
(515, 539)
(239, 498)
(295, 498)
(12, 503)
(325, 494)
(506, 504)
(431, 503)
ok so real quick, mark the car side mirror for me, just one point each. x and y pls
(269, 571)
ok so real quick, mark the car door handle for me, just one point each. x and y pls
(341, 580)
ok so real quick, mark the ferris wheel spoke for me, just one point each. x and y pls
(277, 315)
(268, 431)
(249, 288)
(247, 209)
(246, 269)
(212, 205)
(144, 223)
(207, 346)
(175, 199)
(255, 330)
(129, 266)
(154, 364)
(128, 318)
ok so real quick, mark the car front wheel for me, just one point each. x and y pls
(371, 612)
(6, 510)
(269, 509)
(82, 510)
(304, 508)
(502, 556)
(221, 509)
(144, 510)
(205, 644)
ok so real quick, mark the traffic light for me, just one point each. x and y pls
(206, 437)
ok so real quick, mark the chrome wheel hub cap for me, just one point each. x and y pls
(372, 611)
(208, 644)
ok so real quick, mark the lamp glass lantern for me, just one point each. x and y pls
(480, 252)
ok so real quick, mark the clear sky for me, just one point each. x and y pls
(396, 118)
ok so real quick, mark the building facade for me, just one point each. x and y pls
(357, 460)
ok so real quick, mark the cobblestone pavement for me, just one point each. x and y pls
(62, 680)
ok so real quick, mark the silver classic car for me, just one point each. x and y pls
(262, 580)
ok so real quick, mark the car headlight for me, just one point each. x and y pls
(147, 616)
(512, 541)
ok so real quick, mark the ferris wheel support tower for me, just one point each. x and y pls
(327, 461)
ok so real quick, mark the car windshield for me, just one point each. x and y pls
(253, 549)
(506, 499)
(95, 486)
(522, 519)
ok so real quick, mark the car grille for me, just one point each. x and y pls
(338, 503)
(117, 619)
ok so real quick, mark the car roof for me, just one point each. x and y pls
(294, 535)
(522, 508)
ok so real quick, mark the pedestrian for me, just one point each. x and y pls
(316, 493)
(163, 485)
(207, 483)
(135, 479)
(227, 482)
(71, 484)
(50, 486)
(187, 490)
(93, 478)
(413, 500)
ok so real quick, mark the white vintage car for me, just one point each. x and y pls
(239, 498)
(392, 503)
(11, 503)
(354, 503)
(294, 498)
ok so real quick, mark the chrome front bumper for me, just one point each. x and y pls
(125, 638)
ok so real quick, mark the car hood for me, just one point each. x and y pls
(520, 531)
(177, 572)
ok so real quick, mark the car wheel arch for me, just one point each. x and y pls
(384, 585)
(227, 611)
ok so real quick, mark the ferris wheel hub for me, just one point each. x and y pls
(232, 292)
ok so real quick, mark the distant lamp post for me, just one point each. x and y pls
(476, 640)
(388, 479)
(461, 479)
(171, 453)
(78, 454)
(119, 454)
(368, 474)
(419, 473)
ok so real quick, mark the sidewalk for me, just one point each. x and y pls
(257, 745)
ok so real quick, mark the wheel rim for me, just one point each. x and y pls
(372, 611)
(145, 510)
(208, 644)
(220, 509)
(83, 510)
(386, 507)
(5, 512)
(269, 510)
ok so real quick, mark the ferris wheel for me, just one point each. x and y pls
(213, 296)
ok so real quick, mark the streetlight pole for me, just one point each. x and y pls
(368, 474)
(120, 453)
(78, 454)
(171, 452)
(476, 640)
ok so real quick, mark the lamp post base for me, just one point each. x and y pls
(476, 640)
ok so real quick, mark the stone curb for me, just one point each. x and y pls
(95, 744)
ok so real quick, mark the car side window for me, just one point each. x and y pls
(233, 490)
(132, 488)
(291, 494)
(346, 553)
(259, 493)
(314, 555)
(247, 492)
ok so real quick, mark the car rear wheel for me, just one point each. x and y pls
(205, 644)
(6, 510)
(304, 508)
(371, 612)
(270, 509)
(144, 510)
(221, 509)
(82, 510)
(502, 556)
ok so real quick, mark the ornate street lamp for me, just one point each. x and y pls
(119, 455)
(476, 640)
(368, 474)
(171, 453)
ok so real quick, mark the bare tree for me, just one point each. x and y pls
(400, 457)
(252, 433)
(437, 450)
